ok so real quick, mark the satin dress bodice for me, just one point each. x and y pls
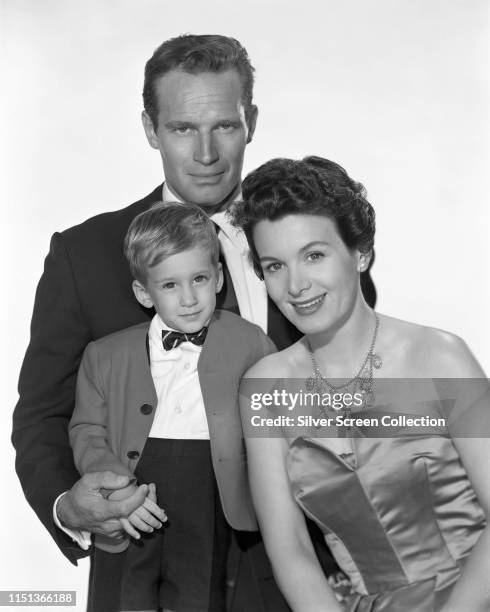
(399, 514)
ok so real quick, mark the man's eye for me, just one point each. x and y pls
(226, 126)
(200, 279)
(168, 286)
(184, 129)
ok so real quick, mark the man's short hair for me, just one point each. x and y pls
(195, 54)
(165, 230)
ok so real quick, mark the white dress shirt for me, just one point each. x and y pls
(180, 412)
(81, 537)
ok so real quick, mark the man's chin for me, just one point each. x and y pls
(212, 199)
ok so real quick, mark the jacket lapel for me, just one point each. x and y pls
(141, 369)
(213, 366)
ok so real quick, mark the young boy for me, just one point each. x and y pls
(160, 401)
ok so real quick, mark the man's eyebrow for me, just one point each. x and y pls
(232, 120)
(171, 125)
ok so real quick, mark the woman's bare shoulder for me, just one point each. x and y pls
(277, 365)
(428, 351)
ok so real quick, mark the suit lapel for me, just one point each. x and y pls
(213, 366)
(142, 370)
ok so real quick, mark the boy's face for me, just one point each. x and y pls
(182, 288)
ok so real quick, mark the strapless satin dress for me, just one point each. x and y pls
(399, 514)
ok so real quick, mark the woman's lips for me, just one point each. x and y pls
(307, 307)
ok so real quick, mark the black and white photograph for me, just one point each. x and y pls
(246, 334)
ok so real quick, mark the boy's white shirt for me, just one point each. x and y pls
(180, 413)
(251, 297)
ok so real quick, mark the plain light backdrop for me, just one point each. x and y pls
(394, 90)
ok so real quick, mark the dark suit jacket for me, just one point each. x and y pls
(109, 429)
(84, 293)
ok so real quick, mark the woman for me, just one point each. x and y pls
(403, 511)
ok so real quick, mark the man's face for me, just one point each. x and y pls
(202, 133)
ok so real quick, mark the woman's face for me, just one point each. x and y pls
(308, 271)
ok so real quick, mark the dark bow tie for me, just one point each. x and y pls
(172, 339)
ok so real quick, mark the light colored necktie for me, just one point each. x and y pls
(245, 282)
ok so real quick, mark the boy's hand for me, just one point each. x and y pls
(147, 517)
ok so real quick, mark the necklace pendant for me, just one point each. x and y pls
(369, 398)
(314, 384)
(362, 381)
(364, 384)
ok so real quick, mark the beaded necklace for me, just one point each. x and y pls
(362, 382)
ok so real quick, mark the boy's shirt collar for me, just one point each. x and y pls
(180, 412)
(157, 352)
(162, 326)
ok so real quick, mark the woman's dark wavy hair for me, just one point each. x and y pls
(311, 186)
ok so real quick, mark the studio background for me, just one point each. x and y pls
(395, 91)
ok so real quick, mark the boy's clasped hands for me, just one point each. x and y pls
(147, 517)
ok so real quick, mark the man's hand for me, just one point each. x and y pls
(83, 507)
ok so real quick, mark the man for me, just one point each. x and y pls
(199, 115)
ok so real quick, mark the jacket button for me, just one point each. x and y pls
(133, 454)
(146, 408)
